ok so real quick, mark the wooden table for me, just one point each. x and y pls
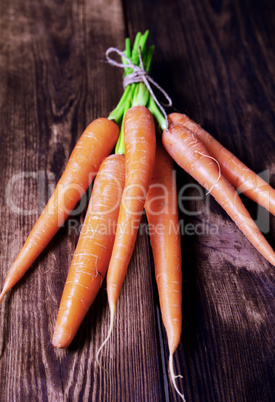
(217, 62)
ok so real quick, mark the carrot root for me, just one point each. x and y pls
(4, 291)
(112, 319)
(95, 144)
(173, 376)
(140, 145)
(93, 252)
(184, 147)
(236, 172)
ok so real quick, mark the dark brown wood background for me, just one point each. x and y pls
(217, 61)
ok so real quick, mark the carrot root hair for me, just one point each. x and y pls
(173, 376)
(112, 318)
(219, 167)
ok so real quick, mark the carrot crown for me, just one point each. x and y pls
(136, 93)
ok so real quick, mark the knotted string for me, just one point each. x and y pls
(139, 75)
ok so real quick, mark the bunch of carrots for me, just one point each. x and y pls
(138, 175)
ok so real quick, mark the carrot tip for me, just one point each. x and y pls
(173, 377)
(112, 316)
(62, 337)
(4, 291)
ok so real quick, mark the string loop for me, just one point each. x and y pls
(139, 75)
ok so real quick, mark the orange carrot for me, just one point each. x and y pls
(93, 251)
(140, 144)
(162, 215)
(190, 153)
(96, 142)
(236, 172)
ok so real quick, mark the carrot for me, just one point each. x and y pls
(93, 251)
(236, 172)
(96, 142)
(140, 144)
(190, 153)
(162, 215)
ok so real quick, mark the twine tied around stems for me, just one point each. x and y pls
(140, 75)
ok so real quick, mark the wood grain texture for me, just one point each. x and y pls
(55, 81)
(216, 60)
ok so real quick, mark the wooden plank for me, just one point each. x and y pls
(54, 82)
(216, 61)
(51, 88)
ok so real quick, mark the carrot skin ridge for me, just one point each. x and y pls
(140, 144)
(235, 171)
(93, 251)
(189, 153)
(96, 142)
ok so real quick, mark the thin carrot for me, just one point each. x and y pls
(162, 215)
(93, 251)
(140, 145)
(236, 172)
(190, 153)
(96, 142)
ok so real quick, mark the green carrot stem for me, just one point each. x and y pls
(128, 54)
(128, 47)
(117, 113)
(135, 53)
(120, 146)
(136, 94)
(148, 59)
(142, 43)
(141, 95)
(137, 40)
(156, 113)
